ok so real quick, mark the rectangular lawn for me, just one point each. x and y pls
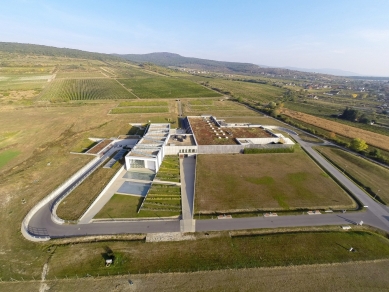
(272, 181)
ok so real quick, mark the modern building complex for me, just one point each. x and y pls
(199, 134)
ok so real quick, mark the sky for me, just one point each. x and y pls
(347, 35)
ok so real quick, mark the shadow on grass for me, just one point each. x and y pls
(108, 254)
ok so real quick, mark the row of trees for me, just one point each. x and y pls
(355, 115)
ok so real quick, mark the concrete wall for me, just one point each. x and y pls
(174, 150)
(219, 149)
(225, 149)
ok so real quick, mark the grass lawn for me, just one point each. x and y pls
(218, 252)
(76, 203)
(7, 156)
(365, 172)
(170, 169)
(165, 87)
(279, 181)
(120, 206)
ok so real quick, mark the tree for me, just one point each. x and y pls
(272, 105)
(358, 145)
(350, 114)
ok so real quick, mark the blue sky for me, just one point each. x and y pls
(349, 35)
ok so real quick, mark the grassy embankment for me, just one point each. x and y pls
(78, 201)
(372, 177)
(162, 201)
(170, 169)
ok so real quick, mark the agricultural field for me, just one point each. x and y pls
(120, 206)
(170, 169)
(138, 103)
(370, 175)
(84, 89)
(216, 108)
(239, 183)
(137, 110)
(162, 201)
(374, 139)
(21, 87)
(262, 93)
(327, 110)
(77, 74)
(234, 252)
(166, 87)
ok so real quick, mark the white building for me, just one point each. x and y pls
(149, 151)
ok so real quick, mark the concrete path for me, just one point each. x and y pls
(187, 174)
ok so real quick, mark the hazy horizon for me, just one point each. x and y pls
(344, 36)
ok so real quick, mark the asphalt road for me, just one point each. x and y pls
(375, 215)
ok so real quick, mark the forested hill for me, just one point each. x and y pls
(175, 60)
(30, 49)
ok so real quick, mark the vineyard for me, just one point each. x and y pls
(164, 87)
(78, 74)
(373, 139)
(84, 89)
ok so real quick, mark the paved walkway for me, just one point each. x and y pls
(188, 168)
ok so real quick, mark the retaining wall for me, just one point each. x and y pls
(47, 199)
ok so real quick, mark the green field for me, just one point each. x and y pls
(7, 156)
(143, 103)
(170, 169)
(279, 181)
(373, 177)
(252, 91)
(84, 89)
(165, 87)
(218, 252)
(120, 206)
(132, 110)
(203, 102)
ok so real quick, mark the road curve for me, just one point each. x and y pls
(41, 224)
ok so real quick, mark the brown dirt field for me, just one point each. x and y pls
(355, 276)
(206, 136)
(371, 138)
(279, 181)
